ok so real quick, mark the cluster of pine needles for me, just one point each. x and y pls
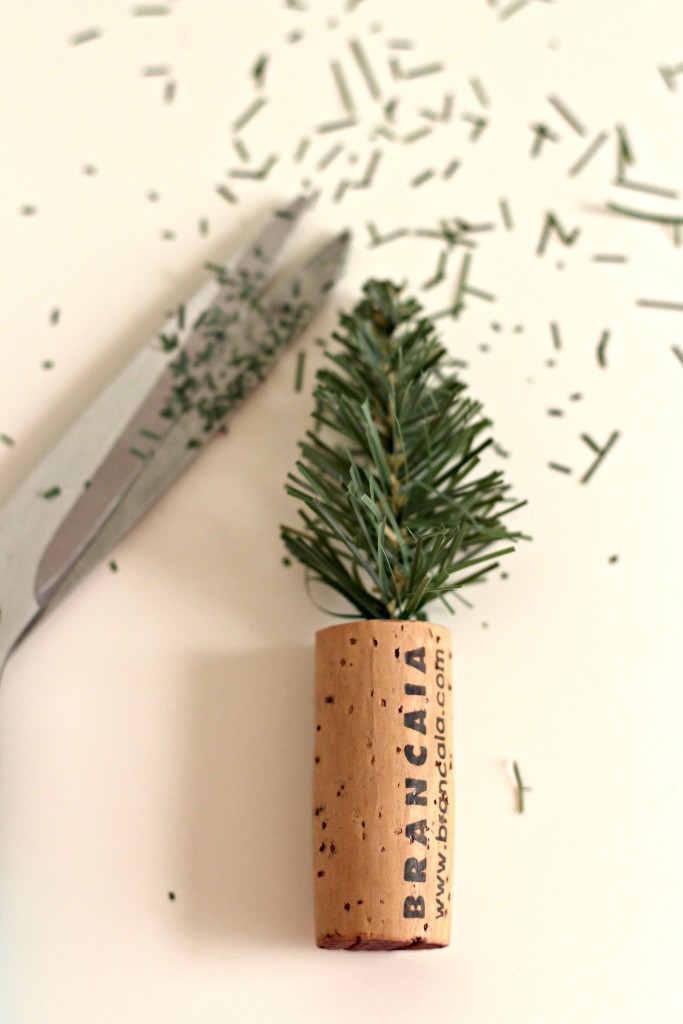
(394, 514)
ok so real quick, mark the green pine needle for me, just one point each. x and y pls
(393, 511)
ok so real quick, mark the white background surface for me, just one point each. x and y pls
(156, 731)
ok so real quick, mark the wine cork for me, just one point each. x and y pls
(383, 801)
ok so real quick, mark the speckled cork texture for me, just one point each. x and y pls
(383, 786)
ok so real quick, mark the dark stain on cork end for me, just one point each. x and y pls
(360, 942)
(353, 640)
(329, 699)
(397, 652)
(342, 661)
(374, 641)
(347, 906)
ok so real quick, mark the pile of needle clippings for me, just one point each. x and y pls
(375, 79)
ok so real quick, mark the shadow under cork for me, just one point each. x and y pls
(246, 870)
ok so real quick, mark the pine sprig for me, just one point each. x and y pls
(392, 513)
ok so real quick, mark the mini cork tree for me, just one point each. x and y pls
(395, 510)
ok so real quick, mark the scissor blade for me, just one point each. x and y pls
(242, 284)
(235, 372)
(29, 519)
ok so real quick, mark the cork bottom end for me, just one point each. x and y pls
(359, 943)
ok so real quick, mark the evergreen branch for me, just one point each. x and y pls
(393, 514)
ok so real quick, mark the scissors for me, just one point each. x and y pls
(153, 419)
